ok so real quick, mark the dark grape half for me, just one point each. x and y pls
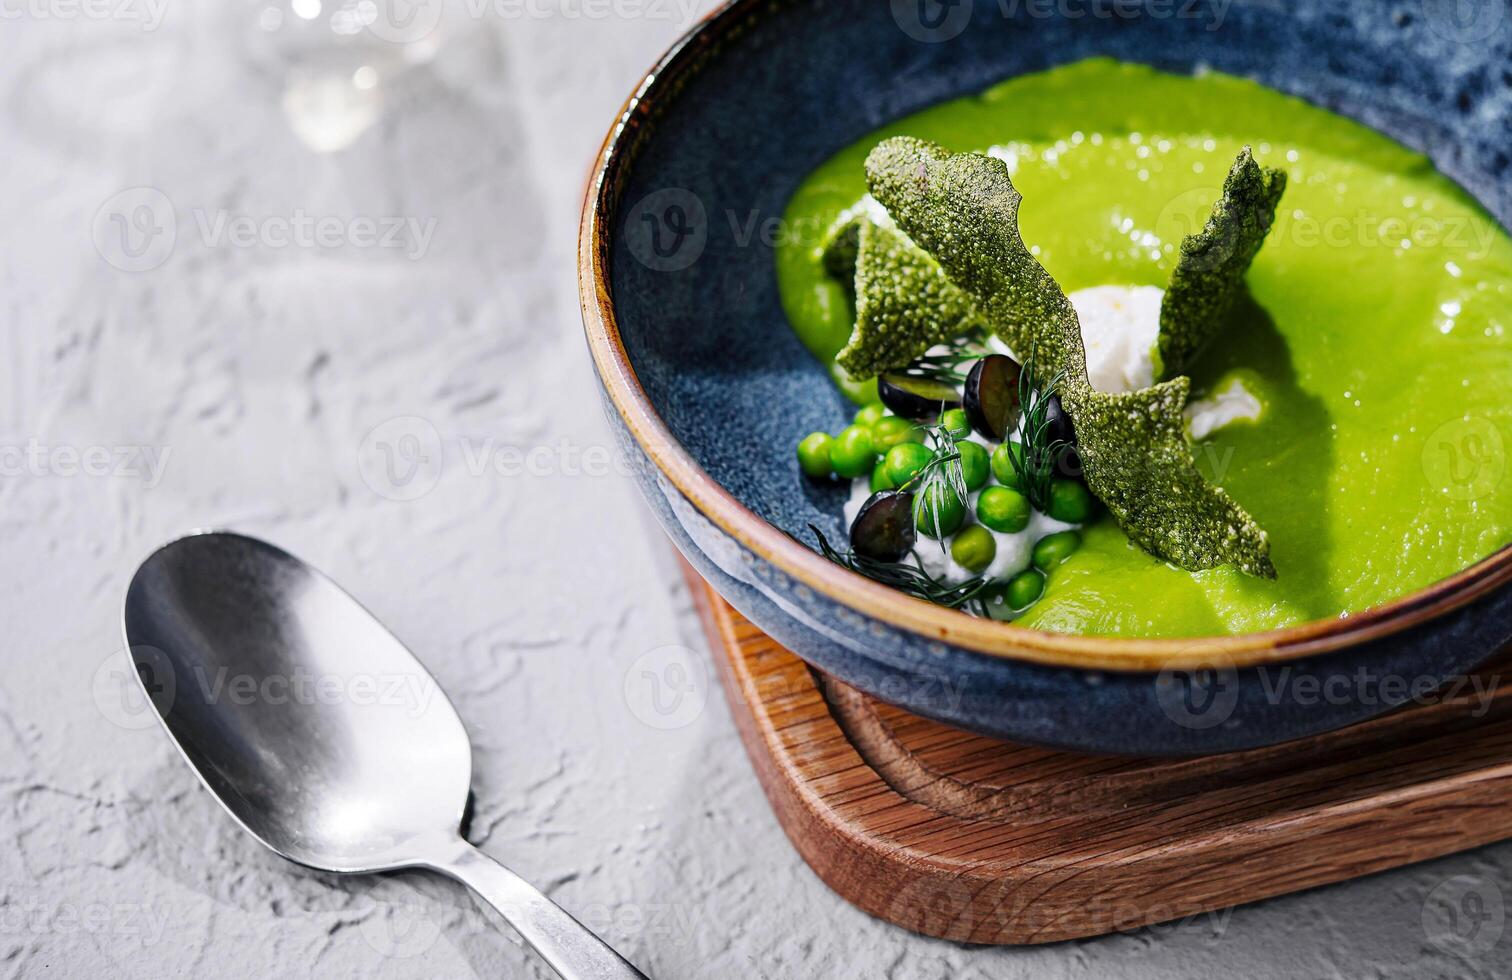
(884, 529)
(991, 398)
(1069, 464)
(1058, 428)
(914, 397)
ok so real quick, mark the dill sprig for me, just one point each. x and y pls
(946, 365)
(910, 579)
(942, 474)
(1038, 454)
(936, 470)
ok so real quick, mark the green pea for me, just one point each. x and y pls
(852, 454)
(1070, 501)
(938, 512)
(1003, 510)
(869, 416)
(879, 478)
(1002, 463)
(955, 422)
(890, 431)
(974, 548)
(905, 460)
(1053, 549)
(814, 455)
(1024, 589)
(974, 464)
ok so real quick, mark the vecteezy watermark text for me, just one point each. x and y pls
(135, 921)
(413, 21)
(671, 228)
(147, 13)
(138, 230)
(938, 21)
(300, 229)
(1207, 695)
(37, 459)
(404, 458)
(131, 688)
(410, 691)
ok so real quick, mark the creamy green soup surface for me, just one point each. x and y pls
(1377, 340)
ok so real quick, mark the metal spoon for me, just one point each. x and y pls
(318, 731)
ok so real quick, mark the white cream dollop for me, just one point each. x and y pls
(1120, 328)
(1231, 403)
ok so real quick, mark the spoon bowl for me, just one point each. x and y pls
(317, 730)
(297, 708)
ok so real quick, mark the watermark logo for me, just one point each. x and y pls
(650, 922)
(1465, 459)
(940, 908)
(1199, 697)
(971, 910)
(131, 687)
(1464, 21)
(402, 458)
(1470, 236)
(932, 21)
(401, 930)
(666, 688)
(413, 21)
(938, 21)
(130, 924)
(144, 464)
(1190, 212)
(1364, 686)
(670, 229)
(299, 229)
(135, 230)
(1187, 214)
(146, 13)
(667, 230)
(1464, 915)
(401, 21)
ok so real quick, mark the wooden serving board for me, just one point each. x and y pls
(968, 838)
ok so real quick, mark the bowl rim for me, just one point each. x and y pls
(1000, 639)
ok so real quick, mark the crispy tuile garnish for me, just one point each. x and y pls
(840, 245)
(963, 209)
(1209, 276)
(1136, 459)
(905, 304)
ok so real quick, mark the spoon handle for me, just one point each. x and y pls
(573, 951)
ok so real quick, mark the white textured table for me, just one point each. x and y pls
(273, 343)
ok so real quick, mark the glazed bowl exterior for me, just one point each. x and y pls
(709, 389)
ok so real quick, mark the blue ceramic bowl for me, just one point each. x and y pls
(710, 389)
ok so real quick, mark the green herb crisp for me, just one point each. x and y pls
(1137, 460)
(840, 245)
(963, 209)
(904, 304)
(1209, 276)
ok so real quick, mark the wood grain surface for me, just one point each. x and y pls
(964, 837)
